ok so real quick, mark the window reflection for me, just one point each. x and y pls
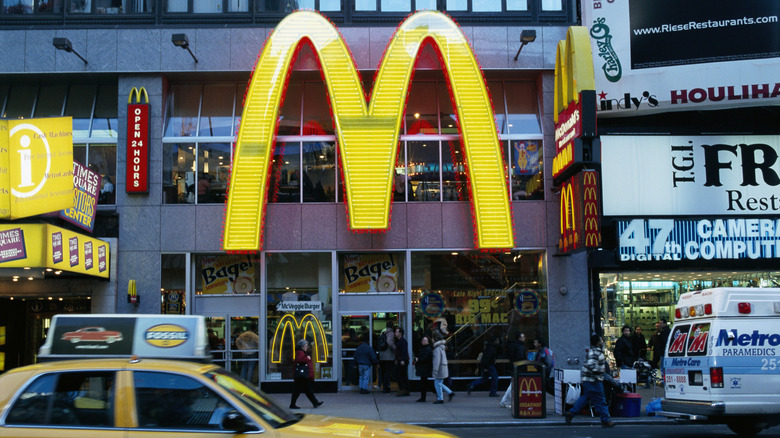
(454, 177)
(285, 182)
(178, 173)
(216, 118)
(213, 172)
(105, 122)
(424, 170)
(523, 112)
(182, 111)
(319, 176)
(79, 107)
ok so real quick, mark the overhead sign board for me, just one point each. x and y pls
(367, 133)
(665, 55)
(87, 188)
(690, 175)
(36, 166)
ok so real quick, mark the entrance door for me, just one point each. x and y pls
(237, 342)
(354, 329)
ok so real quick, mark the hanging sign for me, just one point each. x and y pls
(137, 142)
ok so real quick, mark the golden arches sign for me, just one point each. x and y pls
(573, 68)
(368, 134)
(289, 324)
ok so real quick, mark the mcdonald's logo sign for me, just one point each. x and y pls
(529, 385)
(575, 97)
(295, 330)
(137, 175)
(367, 133)
(580, 211)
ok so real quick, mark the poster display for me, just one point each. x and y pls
(649, 55)
(86, 190)
(230, 274)
(370, 273)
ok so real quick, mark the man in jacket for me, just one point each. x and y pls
(487, 366)
(423, 366)
(402, 362)
(624, 352)
(387, 357)
(658, 342)
(639, 344)
(592, 383)
(365, 358)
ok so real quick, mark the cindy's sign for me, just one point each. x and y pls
(648, 240)
(690, 175)
(367, 132)
(137, 142)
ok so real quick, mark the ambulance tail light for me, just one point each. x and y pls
(708, 309)
(697, 310)
(716, 377)
(678, 313)
(744, 308)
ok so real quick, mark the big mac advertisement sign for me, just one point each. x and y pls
(669, 55)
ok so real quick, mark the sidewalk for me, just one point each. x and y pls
(475, 410)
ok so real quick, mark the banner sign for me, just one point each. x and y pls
(580, 215)
(299, 306)
(648, 54)
(690, 175)
(370, 273)
(36, 166)
(48, 246)
(645, 240)
(527, 302)
(137, 142)
(228, 274)
(87, 188)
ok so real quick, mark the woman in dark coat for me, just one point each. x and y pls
(303, 384)
(424, 366)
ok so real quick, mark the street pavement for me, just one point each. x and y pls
(463, 411)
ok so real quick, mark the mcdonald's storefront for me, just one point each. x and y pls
(426, 203)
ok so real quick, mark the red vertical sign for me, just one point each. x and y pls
(137, 180)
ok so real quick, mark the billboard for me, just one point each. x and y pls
(87, 189)
(665, 55)
(368, 133)
(690, 175)
(370, 273)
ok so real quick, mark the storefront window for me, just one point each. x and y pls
(216, 118)
(173, 284)
(178, 173)
(182, 110)
(227, 274)
(299, 306)
(319, 176)
(371, 272)
(469, 296)
(526, 172)
(213, 172)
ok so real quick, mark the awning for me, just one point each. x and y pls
(49, 246)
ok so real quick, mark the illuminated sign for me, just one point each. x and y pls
(137, 142)
(166, 335)
(367, 133)
(580, 212)
(530, 397)
(575, 102)
(87, 188)
(370, 273)
(36, 166)
(45, 246)
(289, 324)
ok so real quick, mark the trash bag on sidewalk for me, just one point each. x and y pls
(653, 407)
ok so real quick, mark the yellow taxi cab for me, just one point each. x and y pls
(136, 387)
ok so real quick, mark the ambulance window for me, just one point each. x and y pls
(678, 340)
(697, 340)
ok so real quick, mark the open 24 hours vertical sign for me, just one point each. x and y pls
(137, 142)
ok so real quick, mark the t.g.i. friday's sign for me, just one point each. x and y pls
(690, 175)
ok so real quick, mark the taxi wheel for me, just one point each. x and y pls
(746, 427)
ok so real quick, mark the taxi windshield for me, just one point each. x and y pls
(273, 413)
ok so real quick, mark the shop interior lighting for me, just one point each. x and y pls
(65, 44)
(181, 40)
(526, 36)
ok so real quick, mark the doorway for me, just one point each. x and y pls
(236, 345)
(356, 329)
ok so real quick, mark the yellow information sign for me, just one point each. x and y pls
(36, 166)
(367, 133)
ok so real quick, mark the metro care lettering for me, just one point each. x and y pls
(754, 339)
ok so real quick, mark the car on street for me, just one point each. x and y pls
(92, 334)
(134, 397)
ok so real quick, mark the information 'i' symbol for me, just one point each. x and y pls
(25, 162)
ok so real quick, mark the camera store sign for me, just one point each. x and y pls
(690, 175)
(642, 240)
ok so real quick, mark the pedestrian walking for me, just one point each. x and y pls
(639, 344)
(402, 362)
(487, 368)
(386, 347)
(516, 351)
(424, 366)
(440, 369)
(658, 342)
(248, 341)
(547, 357)
(303, 375)
(624, 352)
(592, 385)
(365, 358)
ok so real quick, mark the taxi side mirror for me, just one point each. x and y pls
(234, 421)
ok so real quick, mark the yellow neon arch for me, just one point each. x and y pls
(290, 324)
(367, 134)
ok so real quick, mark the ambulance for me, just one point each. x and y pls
(722, 362)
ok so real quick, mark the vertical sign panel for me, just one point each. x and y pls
(137, 180)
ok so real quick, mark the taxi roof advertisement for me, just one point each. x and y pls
(648, 55)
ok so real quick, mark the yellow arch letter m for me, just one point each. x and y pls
(367, 134)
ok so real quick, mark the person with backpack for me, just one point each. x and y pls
(365, 358)
(545, 356)
(386, 346)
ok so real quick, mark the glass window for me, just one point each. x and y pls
(371, 272)
(173, 284)
(319, 172)
(449, 120)
(20, 101)
(50, 100)
(178, 173)
(102, 160)
(300, 303)
(3, 97)
(455, 178)
(84, 399)
(81, 99)
(182, 111)
(105, 122)
(238, 5)
(552, 5)
(423, 170)
(207, 6)
(290, 115)
(422, 114)
(172, 401)
(80, 153)
(457, 5)
(177, 5)
(316, 110)
(213, 172)
(425, 4)
(108, 6)
(401, 184)
(80, 6)
(216, 118)
(365, 5)
(486, 6)
(527, 182)
(516, 5)
(395, 5)
(496, 90)
(523, 112)
(471, 295)
(227, 274)
(330, 5)
(285, 181)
